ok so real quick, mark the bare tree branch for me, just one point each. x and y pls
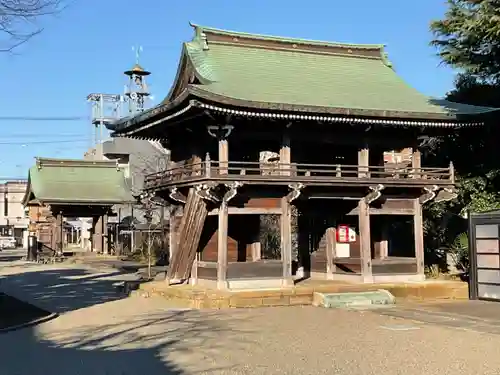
(18, 20)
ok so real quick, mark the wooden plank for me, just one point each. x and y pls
(222, 246)
(193, 220)
(418, 229)
(365, 241)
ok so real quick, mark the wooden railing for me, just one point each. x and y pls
(262, 171)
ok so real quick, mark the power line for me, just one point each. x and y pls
(37, 118)
(45, 142)
(40, 135)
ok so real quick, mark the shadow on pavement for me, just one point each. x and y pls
(60, 290)
(168, 342)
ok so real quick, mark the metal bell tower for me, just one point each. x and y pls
(137, 91)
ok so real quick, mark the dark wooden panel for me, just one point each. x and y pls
(318, 264)
(395, 204)
(394, 266)
(260, 269)
(207, 272)
(348, 265)
(389, 207)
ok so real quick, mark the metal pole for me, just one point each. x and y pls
(101, 127)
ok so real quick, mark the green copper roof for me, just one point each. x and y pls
(294, 78)
(53, 181)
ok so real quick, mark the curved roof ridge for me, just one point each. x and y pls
(200, 28)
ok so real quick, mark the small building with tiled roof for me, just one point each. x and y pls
(59, 188)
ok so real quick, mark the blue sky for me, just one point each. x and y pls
(86, 48)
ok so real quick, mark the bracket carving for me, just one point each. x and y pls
(205, 191)
(177, 196)
(429, 195)
(295, 193)
(220, 131)
(445, 195)
(231, 193)
(376, 193)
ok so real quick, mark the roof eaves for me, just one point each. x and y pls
(452, 116)
(126, 124)
(351, 118)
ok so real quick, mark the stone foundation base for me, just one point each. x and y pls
(301, 294)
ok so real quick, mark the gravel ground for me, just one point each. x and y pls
(105, 335)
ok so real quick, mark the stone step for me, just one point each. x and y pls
(353, 299)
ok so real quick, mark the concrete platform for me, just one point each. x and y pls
(300, 294)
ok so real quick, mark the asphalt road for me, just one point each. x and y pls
(101, 332)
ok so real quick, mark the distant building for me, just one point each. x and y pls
(137, 158)
(13, 219)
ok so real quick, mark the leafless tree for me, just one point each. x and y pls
(18, 20)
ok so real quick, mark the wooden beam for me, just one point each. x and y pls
(222, 246)
(286, 241)
(418, 229)
(249, 211)
(365, 241)
(384, 211)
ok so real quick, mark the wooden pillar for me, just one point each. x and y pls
(418, 229)
(285, 155)
(98, 235)
(53, 234)
(194, 270)
(331, 244)
(286, 241)
(365, 241)
(93, 241)
(384, 241)
(222, 247)
(59, 232)
(363, 162)
(105, 241)
(223, 155)
(172, 237)
(256, 251)
(416, 163)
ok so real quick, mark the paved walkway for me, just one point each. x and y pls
(99, 332)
